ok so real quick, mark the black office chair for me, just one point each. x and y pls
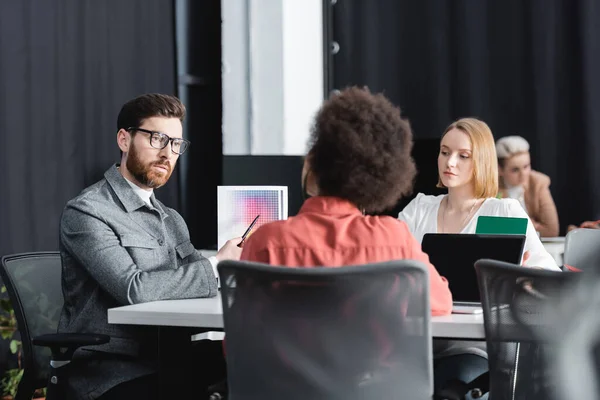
(33, 282)
(519, 327)
(576, 364)
(582, 249)
(356, 332)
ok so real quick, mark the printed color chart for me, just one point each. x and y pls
(237, 206)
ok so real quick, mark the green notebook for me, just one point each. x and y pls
(501, 226)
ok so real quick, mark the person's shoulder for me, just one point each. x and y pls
(88, 205)
(268, 236)
(269, 232)
(386, 221)
(539, 180)
(429, 198)
(382, 228)
(424, 200)
(422, 206)
(89, 196)
(375, 231)
(504, 207)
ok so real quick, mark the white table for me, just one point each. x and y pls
(208, 253)
(208, 313)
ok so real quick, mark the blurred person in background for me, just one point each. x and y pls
(529, 187)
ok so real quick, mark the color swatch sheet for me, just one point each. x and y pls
(237, 206)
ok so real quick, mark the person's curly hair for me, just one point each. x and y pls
(360, 150)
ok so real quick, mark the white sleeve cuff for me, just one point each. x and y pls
(214, 262)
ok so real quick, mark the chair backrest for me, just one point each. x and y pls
(353, 332)
(33, 282)
(519, 326)
(577, 362)
(582, 249)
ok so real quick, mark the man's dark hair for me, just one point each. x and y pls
(135, 111)
(360, 150)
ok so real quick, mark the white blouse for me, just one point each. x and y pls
(421, 216)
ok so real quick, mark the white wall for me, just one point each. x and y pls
(272, 74)
(235, 74)
(303, 70)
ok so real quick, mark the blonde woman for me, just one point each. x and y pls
(468, 168)
(529, 187)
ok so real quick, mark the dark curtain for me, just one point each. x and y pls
(66, 68)
(526, 67)
(201, 76)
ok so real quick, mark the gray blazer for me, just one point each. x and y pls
(116, 250)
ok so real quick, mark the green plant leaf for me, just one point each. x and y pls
(14, 346)
(6, 334)
(10, 382)
(6, 306)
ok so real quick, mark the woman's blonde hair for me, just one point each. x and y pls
(485, 162)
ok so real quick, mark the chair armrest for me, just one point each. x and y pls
(68, 341)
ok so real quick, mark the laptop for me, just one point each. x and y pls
(454, 257)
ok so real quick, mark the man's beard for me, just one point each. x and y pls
(145, 174)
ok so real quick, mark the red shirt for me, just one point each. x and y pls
(332, 232)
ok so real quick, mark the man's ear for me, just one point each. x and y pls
(124, 140)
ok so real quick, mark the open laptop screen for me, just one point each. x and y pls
(454, 256)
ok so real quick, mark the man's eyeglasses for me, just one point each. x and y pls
(159, 140)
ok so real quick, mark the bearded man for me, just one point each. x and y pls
(119, 245)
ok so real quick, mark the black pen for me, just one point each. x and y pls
(245, 235)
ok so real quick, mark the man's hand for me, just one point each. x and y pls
(230, 250)
(590, 225)
(586, 224)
